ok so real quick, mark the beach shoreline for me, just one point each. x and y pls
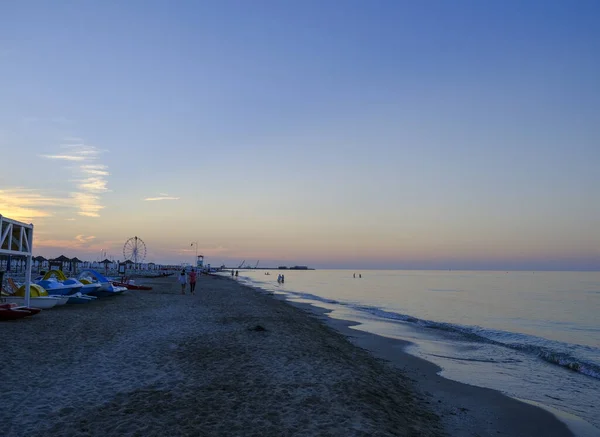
(464, 409)
(230, 361)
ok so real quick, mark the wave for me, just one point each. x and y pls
(309, 296)
(549, 351)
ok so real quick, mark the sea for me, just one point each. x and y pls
(534, 336)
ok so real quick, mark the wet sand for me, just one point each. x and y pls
(230, 361)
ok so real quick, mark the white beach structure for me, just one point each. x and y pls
(16, 239)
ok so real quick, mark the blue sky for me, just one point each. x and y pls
(395, 134)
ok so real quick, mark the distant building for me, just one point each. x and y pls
(299, 268)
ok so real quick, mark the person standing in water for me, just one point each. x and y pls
(182, 281)
(192, 276)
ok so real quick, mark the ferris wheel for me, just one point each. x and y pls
(134, 250)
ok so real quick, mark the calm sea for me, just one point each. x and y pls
(532, 335)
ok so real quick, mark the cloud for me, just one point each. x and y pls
(88, 204)
(89, 178)
(64, 157)
(86, 242)
(93, 181)
(25, 204)
(153, 199)
(82, 149)
(95, 169)
(93, 185)
(83, 239)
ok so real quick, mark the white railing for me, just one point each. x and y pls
(16, 239)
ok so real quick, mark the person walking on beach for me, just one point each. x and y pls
(182, 280)
(192, 276)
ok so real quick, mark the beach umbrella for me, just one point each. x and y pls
(106, 262)
(75, 261)
(61, 259)
(128, 263)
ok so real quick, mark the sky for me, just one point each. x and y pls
(334, 134)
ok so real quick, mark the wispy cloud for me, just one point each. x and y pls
(80, 148)
(64, 157)
(93, 185)
(93, 176)
(88, 204)
(95, 169)
(153, 199)
(88, 175)
(83, 239)
(27, 204)
(87, 242)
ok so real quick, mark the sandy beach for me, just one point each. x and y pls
(230, 361)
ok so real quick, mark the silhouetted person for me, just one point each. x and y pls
(182, 281)
(192, 281)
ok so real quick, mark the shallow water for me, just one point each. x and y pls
(531, 335)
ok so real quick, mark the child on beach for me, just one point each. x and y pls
(192, 276)
(182, 280)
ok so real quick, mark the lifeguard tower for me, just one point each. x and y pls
(16, 239)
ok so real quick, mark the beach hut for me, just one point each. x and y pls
(59, 262)
(106, 262)
(39, 260)
(75, 262)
